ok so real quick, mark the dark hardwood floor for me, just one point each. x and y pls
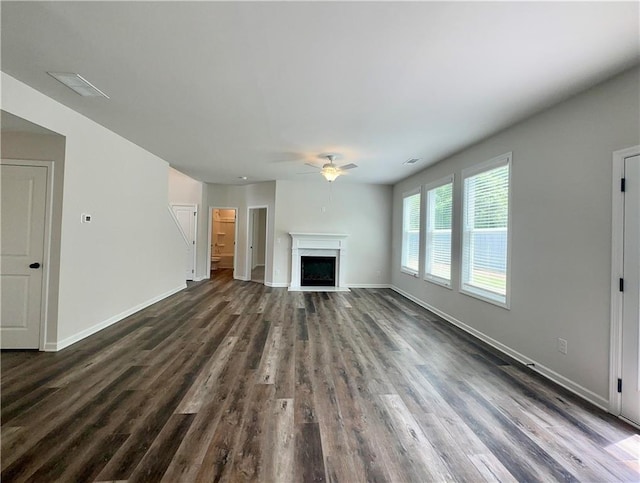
(234, 381)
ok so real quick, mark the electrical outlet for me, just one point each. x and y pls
(562, 345)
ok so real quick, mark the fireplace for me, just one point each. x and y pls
(318, 272)
(321, 249)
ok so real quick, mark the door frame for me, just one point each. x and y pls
(617, 270)
(235, 236)
(249, 261)
(46, 247)
(195, 233)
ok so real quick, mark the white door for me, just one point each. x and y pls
(187, 217)
(23, 198)
(631, 294)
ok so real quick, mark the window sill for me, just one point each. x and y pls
(439, 281)
(408, 271)
(485, 297)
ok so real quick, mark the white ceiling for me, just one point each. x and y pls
(223, 89)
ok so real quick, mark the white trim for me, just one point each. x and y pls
(61, 344)
(175, 220)
(319, 289)
(249, 262)
(409, 271)
(428, 277)
(505, 159)
(617, 269)
(194, 242)
(318, 244)
(440, 182)
(442, 282)
(277, 284)
(369, 285)
(550, 374)
(235, 245)
(404, 268)
(46, 245)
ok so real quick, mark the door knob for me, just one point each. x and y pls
(34, 265)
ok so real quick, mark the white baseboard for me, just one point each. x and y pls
(276, 284)
(559, 379)
(53, 346)
(243, 278)
(319, 289)
(369, 285)
(349, 285)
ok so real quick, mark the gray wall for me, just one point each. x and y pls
(241, 198)
(362, 211)
(561, 234)
(44, 147)
(185, 190)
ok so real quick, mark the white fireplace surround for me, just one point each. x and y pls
(318, 245)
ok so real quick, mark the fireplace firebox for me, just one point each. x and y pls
(318, 271)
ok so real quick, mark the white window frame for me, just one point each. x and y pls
(403, 267)
(495, 299)
(428, 277)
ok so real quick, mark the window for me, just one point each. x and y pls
(411, 232)
(485, 231)
(437, 267)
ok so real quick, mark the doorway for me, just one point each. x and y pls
(257, 246)
(187, 217)
(625, 346)
(25, 201)
(223, 240)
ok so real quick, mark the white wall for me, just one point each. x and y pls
(130, 253)
(561, 234)
(185, 190)
(243, 197)
(361, 211)
(44, 147)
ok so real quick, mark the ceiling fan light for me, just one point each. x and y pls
(330, 173)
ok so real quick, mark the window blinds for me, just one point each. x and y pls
(411, 232)
(485, 232)
(438, 233)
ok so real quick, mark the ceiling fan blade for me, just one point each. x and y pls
(309, 172)
(313, 165)
(348, 166)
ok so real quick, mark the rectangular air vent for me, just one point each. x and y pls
(78, 84)
(411, 161)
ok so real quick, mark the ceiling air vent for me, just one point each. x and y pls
(411, 161)
(78, 84)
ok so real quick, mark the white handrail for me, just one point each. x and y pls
(180, 230)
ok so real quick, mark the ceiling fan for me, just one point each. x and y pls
(329, 170)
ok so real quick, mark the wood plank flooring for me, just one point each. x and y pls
(234, 381)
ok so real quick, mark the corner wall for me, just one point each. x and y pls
(561, 235)
(242, 197)
(130, 255)
(44, 147)
(185, 190)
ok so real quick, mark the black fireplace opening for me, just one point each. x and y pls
(318, 272)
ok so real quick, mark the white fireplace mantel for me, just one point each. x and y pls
(318, 245)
